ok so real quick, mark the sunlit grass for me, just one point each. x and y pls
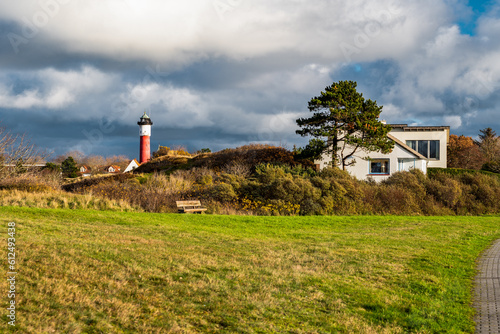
(116, 272)
(62, 200)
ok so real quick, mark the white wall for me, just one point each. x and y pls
(441, 135)
(361, 169)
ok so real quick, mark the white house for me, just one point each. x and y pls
(85, 171)
(132, 165)
(112, 169)
(415, 147)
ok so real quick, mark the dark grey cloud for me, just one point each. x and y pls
(217, 79)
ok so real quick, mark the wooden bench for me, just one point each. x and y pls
(189, 207)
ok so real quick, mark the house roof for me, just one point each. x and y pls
(131, 165)
(405, 127)
(406, 147)
(115, 167)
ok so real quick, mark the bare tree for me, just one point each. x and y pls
(18, 150)
(94, 162)
(120, 160)
(78, 156)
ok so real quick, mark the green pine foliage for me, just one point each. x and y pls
(347, 122)
(69, 168)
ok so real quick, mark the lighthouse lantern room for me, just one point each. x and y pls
(145, 134)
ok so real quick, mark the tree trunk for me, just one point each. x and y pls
(334, 150)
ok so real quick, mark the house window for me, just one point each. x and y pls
(423, 148)
(412, 144)
(434, 149)
(379, 166)
(428, 148)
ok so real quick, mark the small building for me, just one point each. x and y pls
(415, 147)
(85, 171)
(112, 169)
(131, 166)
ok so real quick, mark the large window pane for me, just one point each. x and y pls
(423, 147)
(412, 144)
(434, 149)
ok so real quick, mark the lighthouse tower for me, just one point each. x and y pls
(145, 133)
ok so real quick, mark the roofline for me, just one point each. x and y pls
(25, 165)
(405, 127)
(406, 147)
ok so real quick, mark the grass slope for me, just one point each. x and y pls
(121, 272)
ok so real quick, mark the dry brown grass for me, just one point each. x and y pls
(62, 200)
(45, 179)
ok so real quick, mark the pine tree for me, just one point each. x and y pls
(489, 144)
(69, 168)
(347, 122)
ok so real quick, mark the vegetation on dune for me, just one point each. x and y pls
(267, 180)
(111, 272)
(235, 182)
(283, 190)
(239, 160)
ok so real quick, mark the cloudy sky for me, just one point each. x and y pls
(78, 74)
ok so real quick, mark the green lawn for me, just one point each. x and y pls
(114, 272)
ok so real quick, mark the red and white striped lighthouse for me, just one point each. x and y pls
(145, 133)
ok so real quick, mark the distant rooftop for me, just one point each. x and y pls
(405, 127)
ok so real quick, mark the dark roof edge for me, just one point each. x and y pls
(406, 127)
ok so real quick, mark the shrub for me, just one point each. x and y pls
(493, 167)
(238, 168)
(484, 191)
(162, 151)
(456, 171)
(282, 189)
(446, 190)
(222, 192)
(205, 180)
(395, 200)
(413, 181)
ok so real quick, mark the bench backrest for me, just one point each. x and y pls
(187, 203)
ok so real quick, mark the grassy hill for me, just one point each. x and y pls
(247, 157)
(120, 272)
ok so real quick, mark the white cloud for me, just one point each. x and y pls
(26, 99)
(55, 89)
(178, 107)
(184, 32)
(451, 73)
(453, 121)
(390, 111)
